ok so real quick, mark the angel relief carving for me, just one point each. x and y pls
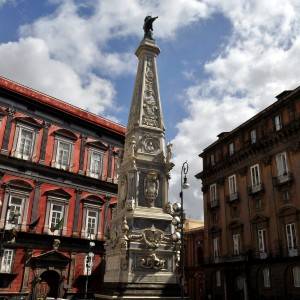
(151, 187)
(150, 107)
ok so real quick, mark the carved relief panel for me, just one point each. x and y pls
(150, 116)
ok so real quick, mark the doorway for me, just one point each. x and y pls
(48, 285)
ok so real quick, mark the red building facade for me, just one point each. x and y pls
(58, 189)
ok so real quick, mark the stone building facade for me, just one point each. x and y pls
(194, 250)
(251, 188)
(58, 188)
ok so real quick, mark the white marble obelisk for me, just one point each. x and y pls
(140, 252)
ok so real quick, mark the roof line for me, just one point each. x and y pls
(257, 115)
(61, 105)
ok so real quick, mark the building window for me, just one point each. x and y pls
(266, 277)
(236, 244)
(63, 154)
(15, 211)
(255, 175)
(232, 184)
(212, 159)
(281, 162)
(286, 195)
(214, 218)
(56, 218)
(258, 203)
(277, 122)
(296, 276)
(216, 247)
(56, 215)
(253, 136)
(261, 238)
(213, 192)
(231, 148)
(291, 237)
(91, 223)
(95, 164)
(218, 278)
(24, 142)
(7, 261)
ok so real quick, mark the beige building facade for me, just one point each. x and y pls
(251, 189)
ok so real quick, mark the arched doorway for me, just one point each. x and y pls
(48, 285)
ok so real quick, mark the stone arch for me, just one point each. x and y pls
(28, 120)
(19, 184)
(92, 198)
(65, 133)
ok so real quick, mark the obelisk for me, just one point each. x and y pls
(140, 253)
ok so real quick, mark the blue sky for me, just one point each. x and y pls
(220, 62)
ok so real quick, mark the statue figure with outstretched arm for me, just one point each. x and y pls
(148, 29)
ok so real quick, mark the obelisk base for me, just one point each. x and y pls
(136, 291)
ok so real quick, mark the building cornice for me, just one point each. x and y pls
(283, 98)
(60, 105)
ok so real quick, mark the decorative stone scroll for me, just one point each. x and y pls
(153, 262)
(153, 237)
(150, 107)
(149, 144)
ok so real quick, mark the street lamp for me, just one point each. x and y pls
(183, 185)
(89, 265)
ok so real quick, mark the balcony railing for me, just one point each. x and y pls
(283, 179)
(214, 203)
(293, 252)
(260, 254)
(235, 258)
(253, 189)
(233, 197)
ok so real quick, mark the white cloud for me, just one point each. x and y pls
(29, 61)
(257, 64)
(67, 54)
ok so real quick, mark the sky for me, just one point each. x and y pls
(221, 62)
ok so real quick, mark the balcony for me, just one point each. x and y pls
(233, 197)
(292, 252)
(283, 179)
(261, 254)
(254, 189)
(214, 203)
(217, 259)
(235, 258)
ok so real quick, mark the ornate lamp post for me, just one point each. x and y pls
(89, 266)
(184, 185)
(178, 221)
